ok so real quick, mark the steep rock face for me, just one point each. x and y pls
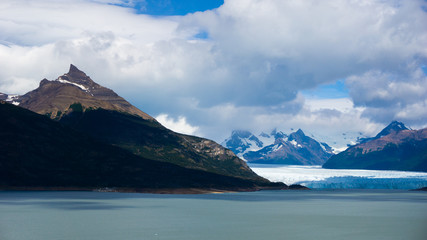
(53, 98)
(77, 101)
(278, 148)
(400, 149)
(36, 151)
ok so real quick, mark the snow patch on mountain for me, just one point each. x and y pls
(241, 142)
(278, 147)
(72, 83)
(12, 98)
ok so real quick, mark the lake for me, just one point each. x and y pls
(327, 214)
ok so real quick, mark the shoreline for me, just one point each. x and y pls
(143, 190)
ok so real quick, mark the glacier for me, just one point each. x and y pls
(316, 177)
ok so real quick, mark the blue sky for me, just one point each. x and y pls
(332, 90)
(172, 7)
(209, 67)
(184, 7)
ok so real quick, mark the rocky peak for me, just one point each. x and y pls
(394, 126)
(54, 98)
(299, 136)
(79, 79)
(278, 148)
(77, 74)
(300, 132)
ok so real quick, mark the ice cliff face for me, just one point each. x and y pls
(317, 178)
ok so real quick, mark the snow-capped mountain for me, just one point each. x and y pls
(395, 148)
(241, 142)
(100, 139)
(278, 148)
(394, 126)
(10, 98)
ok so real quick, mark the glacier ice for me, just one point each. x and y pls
(319, 178)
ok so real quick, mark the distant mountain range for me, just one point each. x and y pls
(91, 137)
(395, 148)
(278, 148)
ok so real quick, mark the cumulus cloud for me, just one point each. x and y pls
(391, 95)
(249, 71)
(179, 125)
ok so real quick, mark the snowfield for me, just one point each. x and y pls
(317, 177)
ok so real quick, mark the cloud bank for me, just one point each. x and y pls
(246, 71)
(179, 125)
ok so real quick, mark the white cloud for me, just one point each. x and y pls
(179, 125)
(334, 122)
(392, 95)
(339, 104)
(247, 74)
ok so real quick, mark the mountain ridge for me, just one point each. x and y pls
(76, 101)
(400, 149)
(42, 154)
(75, 87)
(279, 148)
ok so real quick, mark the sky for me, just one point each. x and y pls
(209, 67)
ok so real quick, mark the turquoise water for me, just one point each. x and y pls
(350, 214)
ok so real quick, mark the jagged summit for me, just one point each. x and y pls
(242, 141)
(278, 148)
(395, 148)
(300, 132)
(89, 109)
(79, 79)
(54, 98)
(75, 70)
(77, 73)
(394, 126)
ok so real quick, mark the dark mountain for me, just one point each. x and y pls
(278, 148)
(399, 149)
(76, 101)
(37, 152)
(151, 140)
(394, 126)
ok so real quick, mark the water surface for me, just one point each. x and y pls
(343, 214)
